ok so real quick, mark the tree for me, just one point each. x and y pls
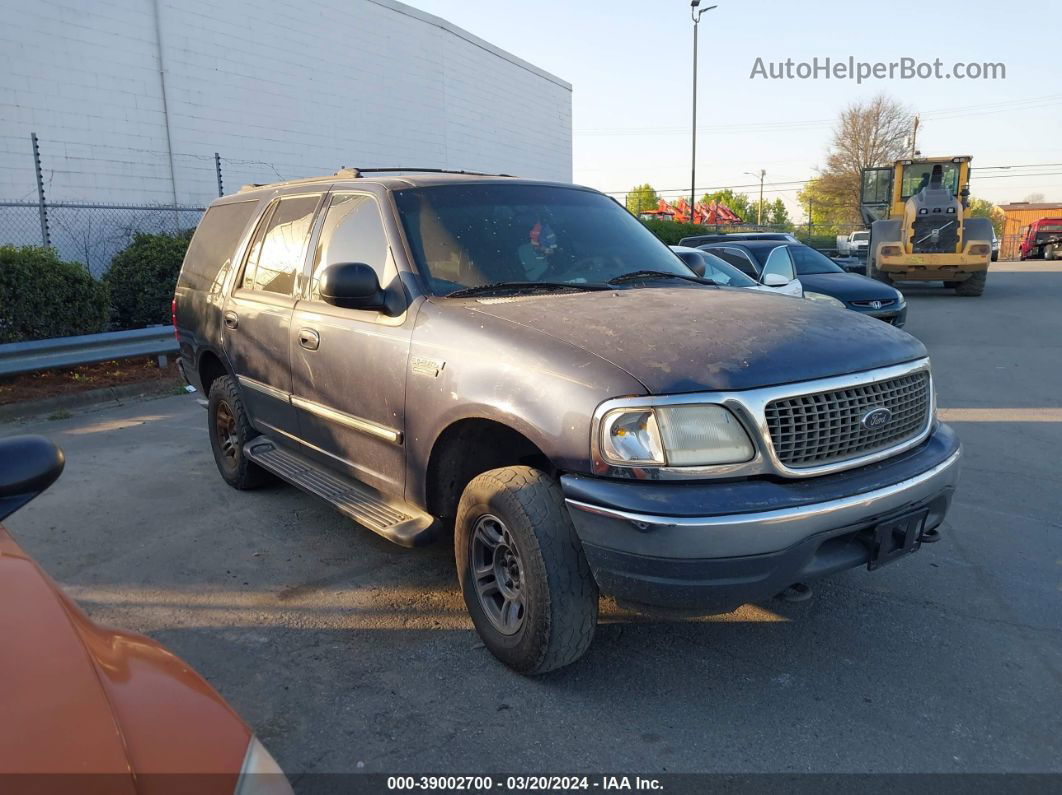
(1034, 198)
(641, 198)
(982, 208)
(738, 202)
(778, 215)
(826, 212)
(867, 135)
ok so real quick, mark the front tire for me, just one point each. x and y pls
(1049, 252)
(523, 574)
(230, 430)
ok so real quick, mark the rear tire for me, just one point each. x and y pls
(973, 286)
(230, 430)
(523, 574)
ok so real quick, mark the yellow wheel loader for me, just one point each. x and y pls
(920, 229)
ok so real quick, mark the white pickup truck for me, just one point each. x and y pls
(853, 245)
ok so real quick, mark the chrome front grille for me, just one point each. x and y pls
(828, 427)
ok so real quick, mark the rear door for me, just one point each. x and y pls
(348, 366)
(257, 316)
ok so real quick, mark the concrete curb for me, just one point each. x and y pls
(28, 409)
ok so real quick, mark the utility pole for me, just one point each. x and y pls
(914, 137)
(759, 207)
(695, 15)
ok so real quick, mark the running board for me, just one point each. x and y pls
(394, 520)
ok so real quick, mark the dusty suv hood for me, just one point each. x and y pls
(688, 339)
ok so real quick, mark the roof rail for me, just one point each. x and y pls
(357, 172)
(347, 172)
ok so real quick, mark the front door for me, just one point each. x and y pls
(348, 366)
(257, 316)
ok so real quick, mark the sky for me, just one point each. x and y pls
(630, 66)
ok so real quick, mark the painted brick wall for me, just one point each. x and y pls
(280, 88)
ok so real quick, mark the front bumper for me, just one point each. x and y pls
(896, 315)
(709, 547)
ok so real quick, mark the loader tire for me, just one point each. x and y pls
(975, 285)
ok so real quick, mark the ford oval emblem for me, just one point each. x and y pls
(875, 418)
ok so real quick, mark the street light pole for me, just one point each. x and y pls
(759, 207)
(695, 15)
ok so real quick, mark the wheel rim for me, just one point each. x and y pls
(225, 423)
(498, 574)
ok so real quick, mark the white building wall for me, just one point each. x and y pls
(279, 88)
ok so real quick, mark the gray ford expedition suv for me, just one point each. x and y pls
(523, 362)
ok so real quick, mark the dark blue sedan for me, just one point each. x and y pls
(822, 279)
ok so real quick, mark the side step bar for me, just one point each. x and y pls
(394, 520)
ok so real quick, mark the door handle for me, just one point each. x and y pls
(232, 320)
(309, 339)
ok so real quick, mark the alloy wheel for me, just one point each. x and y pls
(498, 574)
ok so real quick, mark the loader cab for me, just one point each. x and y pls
(885, 190)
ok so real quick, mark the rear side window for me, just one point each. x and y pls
(212, 246)
(278, 255)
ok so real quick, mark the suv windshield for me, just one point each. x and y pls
(466, 236)
(807, 261)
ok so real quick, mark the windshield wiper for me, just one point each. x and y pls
(648, 275)
(497, 287)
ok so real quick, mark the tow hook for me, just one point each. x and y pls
(930, 536)
(797, 592)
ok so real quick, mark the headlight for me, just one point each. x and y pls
(821, 298)
(261, 775)
(678, 436)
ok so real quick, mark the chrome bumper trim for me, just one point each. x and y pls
(762, 532)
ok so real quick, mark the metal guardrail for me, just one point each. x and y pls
(28, 357)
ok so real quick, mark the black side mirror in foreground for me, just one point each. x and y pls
(352, 285)
(28, 465)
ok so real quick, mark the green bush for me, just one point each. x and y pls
(818, 241)
(671, 232)
(43, 297)
(142, 277)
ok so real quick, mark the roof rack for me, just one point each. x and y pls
(354, 173)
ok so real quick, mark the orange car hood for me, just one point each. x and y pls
(78, 698)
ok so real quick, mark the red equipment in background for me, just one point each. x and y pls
(710, 213)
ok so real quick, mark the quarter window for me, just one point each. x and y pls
(277, 255)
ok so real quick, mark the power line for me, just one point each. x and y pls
(712, 189)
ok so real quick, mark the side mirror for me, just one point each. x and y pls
(28, 465)
(693, 260)
(775, 280)
(352, 285)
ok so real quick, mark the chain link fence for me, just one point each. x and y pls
(89, 233)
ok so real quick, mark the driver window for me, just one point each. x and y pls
(352, 232)
(779, 262)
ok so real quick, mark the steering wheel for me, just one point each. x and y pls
(585, 268)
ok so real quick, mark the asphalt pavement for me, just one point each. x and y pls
(346, 653)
